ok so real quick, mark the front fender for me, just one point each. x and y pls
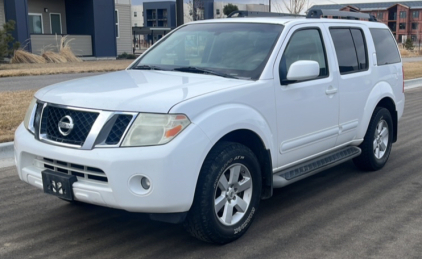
(379, 92)
(223, 119)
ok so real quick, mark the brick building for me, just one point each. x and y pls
(403, 18)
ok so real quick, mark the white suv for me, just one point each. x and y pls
(214, 116)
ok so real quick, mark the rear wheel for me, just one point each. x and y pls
(377, 143)
(227, 194)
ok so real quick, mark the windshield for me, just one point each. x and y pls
(236, 50)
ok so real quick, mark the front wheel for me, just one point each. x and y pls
(227, 194)
(376, 146)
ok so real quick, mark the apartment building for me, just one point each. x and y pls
(99, 28)
(219, 6)
(137, 15)
(403, 18)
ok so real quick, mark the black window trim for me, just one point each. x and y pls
(289, 82)
(357, 57)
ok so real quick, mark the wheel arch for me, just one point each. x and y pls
(254, 142)
(389, 104)
(382, 95)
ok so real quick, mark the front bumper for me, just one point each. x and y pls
(172, 169)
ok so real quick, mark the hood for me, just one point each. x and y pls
(134, 90)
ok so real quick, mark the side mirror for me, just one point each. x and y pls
(303, 70)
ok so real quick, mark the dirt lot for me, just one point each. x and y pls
(8, 70)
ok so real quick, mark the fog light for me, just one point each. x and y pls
(146, 184)
(140, 185)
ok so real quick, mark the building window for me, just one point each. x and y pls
(56, 23)
(116, 19)
(414, 38)
(402, 14)
(35, 23)
(380, 15)
(414, 25)
(415, 14)
(135, 14)
(217, 11)
(402, 26)
(136, 25)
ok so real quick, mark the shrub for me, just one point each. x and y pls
(66, 52)
(53, 57)
(409, 44)
(23, 56)
(124, 55)
(6, 39)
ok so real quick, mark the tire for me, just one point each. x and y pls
(376, 146)
(210, 218)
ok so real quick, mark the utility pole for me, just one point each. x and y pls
(269, 8)
(179, 13)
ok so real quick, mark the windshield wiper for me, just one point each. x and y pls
(203, 71)
(148, 67)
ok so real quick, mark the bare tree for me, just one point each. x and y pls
(196, 10)
(291, 6)
(295, 6)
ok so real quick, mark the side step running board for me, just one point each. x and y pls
(316, 165)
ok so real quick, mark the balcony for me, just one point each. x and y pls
(81, 45)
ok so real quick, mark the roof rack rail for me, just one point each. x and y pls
(236, 14)
(317, 13)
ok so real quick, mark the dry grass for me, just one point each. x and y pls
(66, 51)
(410, 53)
(22, 56)
(13, 106)
(9, 70)
(412, 70)
(53, 57)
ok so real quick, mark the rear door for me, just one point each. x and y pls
(356, 76)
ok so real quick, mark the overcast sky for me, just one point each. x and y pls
(312, 2)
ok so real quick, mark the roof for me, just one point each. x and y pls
(370, 6)
(289, 21)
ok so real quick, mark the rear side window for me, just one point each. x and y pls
(351, 50)
(385, 46)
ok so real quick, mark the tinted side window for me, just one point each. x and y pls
(345, 50)
(385, 46)
(361, 51)
(304, 45)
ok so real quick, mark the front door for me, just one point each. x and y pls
(307, 111)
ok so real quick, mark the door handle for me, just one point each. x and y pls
(331, 90)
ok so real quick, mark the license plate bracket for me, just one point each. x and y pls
(58, 184)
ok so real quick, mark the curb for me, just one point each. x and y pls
(412, 83)
(6, 150)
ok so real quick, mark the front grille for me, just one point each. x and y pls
(118, 129)
(80, 171)
(82, 121)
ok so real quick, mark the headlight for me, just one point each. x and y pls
(155, 129)
(28, 122)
